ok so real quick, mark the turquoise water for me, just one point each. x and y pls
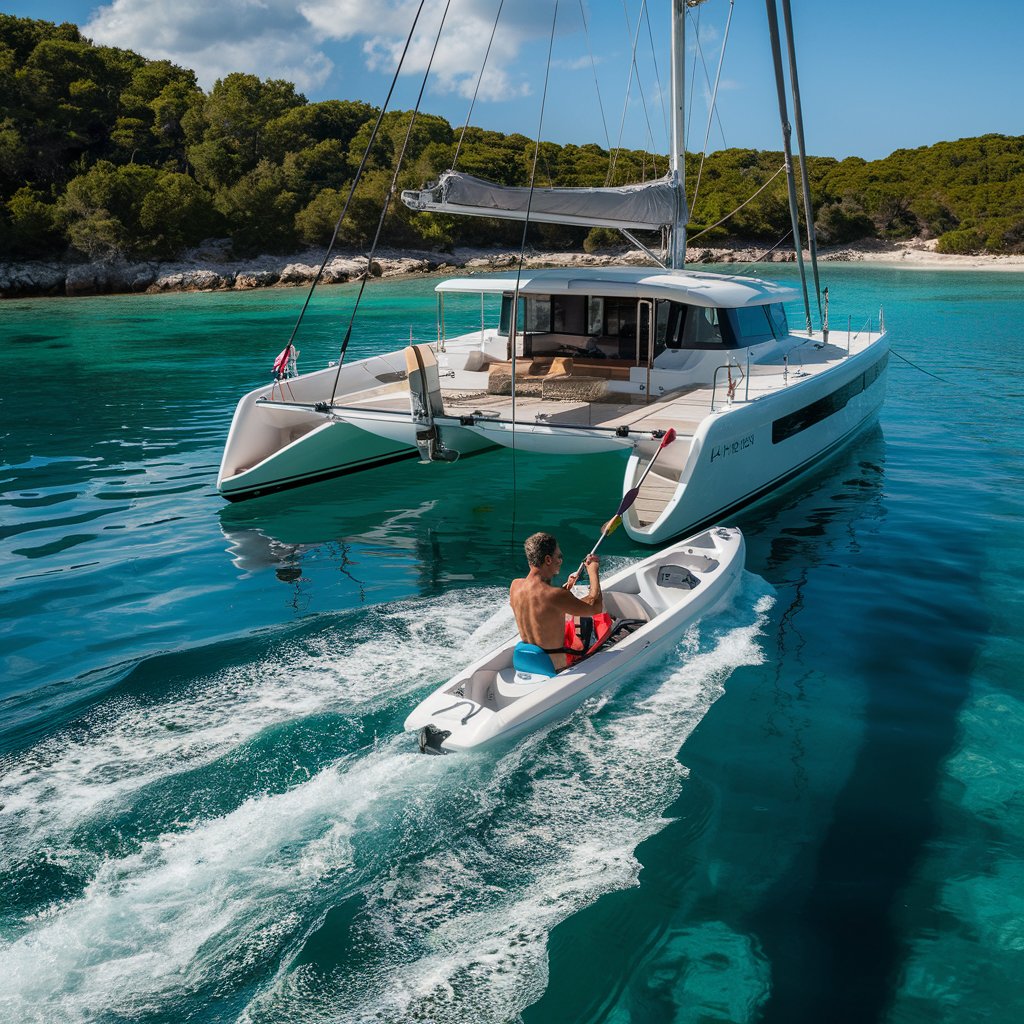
(811, 811)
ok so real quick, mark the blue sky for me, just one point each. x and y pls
(874, 76)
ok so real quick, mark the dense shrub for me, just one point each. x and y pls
(963, 240)
(599, 239)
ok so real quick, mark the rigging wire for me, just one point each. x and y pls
(657, 73)
(356, 180)
(693, 77)
(712, 108)
(711, 227)
(479, 79)
(640, 88)
(633, 67)
(597, 86)
(387, 201)
(768, 252)
(519, 269)
(707, 77)
(625, 102)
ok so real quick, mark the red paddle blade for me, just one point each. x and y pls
(670, 436)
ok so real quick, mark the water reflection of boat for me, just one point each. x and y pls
(438, 541)
(593, 360)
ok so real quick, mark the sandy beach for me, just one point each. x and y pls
(211, 267)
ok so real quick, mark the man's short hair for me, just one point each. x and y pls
(538, 547)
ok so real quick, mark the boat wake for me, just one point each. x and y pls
(63, 798)
(386, 885)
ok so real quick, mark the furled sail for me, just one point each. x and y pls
(648, 206)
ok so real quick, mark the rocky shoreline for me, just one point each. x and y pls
(211, 267)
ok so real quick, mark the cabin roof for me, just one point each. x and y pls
(693, 287)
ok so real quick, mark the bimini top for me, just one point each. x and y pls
(688, 286)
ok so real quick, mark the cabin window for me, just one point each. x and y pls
(538, 314)
(595, 316)
(809, 415)
(751, 325)
(703, 328)
(777, 316)
(620, 319)
(534, 315)
(505, 322)
(669, 320)
(569, 314)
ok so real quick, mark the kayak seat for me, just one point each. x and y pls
(626, 606)
(532, 660)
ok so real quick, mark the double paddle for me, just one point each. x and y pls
(628, 498)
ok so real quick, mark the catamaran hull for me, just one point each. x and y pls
(274, 443)
(330, 450)
(488, 702)
(747, 451)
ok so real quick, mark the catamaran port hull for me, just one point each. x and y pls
(279, 440)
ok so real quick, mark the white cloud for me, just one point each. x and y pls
(269, 38)
(285, 39)
(467, 30)
(578, 63)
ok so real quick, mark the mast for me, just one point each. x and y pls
(798, 119)
(780, 83)
(677, 161)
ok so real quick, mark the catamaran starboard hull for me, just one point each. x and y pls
(746, 451)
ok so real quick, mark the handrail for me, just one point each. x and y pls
(714, 381)
(866, 329)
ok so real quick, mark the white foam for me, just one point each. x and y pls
(463, 864)
(462, 936)
(126, 746)
(193, 909)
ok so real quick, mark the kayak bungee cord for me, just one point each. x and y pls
(628, 498)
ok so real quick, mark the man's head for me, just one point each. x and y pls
(541, 547)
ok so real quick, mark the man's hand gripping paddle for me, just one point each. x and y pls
(627, 499)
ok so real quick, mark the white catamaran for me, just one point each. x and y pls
(590, 360)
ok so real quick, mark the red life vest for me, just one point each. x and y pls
(573, 641)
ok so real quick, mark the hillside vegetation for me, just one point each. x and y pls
(105, 153)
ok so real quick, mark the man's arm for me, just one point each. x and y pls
(593, 603)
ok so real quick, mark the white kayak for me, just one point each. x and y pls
(650, 603)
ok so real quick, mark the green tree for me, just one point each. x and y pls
(226, 135)
(100, 209)
(34, 224)
(259, 211)
(176, 213)
(314, 224)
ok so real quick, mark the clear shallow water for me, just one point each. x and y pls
(810, 811)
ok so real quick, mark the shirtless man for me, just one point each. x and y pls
(540, 608)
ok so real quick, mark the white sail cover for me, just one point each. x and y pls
(650, 205)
